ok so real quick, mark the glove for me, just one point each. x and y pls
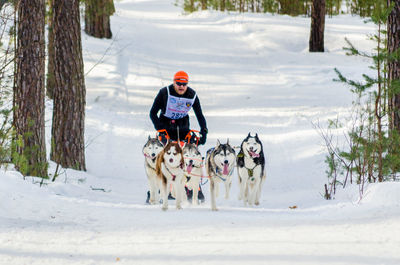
(163, 138)
(203, 136)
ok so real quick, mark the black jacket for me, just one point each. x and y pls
(162, 122)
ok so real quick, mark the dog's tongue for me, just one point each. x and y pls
(225, 171)
(253, 154)
(189, 168)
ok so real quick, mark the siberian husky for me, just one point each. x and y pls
(220, 163)
(169, 170)
(251, 169)
(150, 151)
(193, 169)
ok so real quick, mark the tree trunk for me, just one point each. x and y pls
(393, 25)
(317, 26)
(222, 5)
(50, 82)
(29, 91)
(97, 18)
(204, 4)
(68, 146)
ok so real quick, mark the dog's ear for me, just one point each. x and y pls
(218, 143)
(249, 135)
(227, 141)
(257, 135)
(149, 138)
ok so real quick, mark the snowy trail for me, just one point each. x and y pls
(284, 245)
(252, 72)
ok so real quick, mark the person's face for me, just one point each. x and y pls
(180, 87)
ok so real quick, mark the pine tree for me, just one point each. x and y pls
(30, 151)
(393, 29)
(204, 4)
(97, 18)
(67, 145)
(317, 26)
(50, 82)
(372, 153)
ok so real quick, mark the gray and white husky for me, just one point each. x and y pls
(150, 151)
(251, 170)
(193, 169)
(220, 163)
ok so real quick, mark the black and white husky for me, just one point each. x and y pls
(193, 169)
(220, 163)
(150, 151)
(169, 170)
(251, 170)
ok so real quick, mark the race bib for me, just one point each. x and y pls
(177, 107)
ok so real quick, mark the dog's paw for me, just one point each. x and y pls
(164, 208)
(214, 209)
(178, 207)
(257, 203)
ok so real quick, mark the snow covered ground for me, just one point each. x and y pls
(252, 73)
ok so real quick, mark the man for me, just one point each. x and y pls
(174, 102)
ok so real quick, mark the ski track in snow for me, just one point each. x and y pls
(252, 72)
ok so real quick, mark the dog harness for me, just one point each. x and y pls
(250, 171)
(169, 171)
(178, 107)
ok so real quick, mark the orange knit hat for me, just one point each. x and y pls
(181, 76)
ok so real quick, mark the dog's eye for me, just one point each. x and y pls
(169, 152)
